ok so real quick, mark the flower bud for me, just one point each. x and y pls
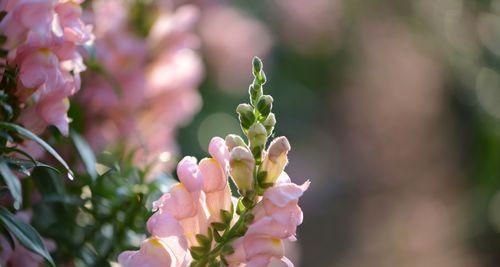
(264, 105)
(233, 140)
(257, 64)
(241, 165)
(255, 92)
(257, 135)
(246, 115)
(260, 78)
(275, 159)
(269, 123)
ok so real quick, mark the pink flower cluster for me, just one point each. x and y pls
(43, 40)
(149, 87)
(277, 216)
(195, 202)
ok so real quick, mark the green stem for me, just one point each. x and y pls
(229, 235)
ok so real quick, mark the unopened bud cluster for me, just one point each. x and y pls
(252, 167)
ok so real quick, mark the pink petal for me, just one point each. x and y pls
(218, 200)
(255, 246)
(214, 178)
(269, 227)
(178, 202)
(280, 262)
(218, 150)
(153, 253)
(162, 224)
(189, 174)
(282, 194)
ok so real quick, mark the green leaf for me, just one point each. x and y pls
(203, 240)
(48, 182)
(219, 226)
(197, 252)
(27, 134)
(240, 208)
(25, 234)
(226, 216)
(86, 154)
(8, 150)
(13, 184)
(7, 236)
(27, 164)
(217, 237)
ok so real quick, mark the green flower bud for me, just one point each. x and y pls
(241, 164)
(233, 140)
(269, 123)
(275, 159)
(257, 135)
(257, 64)
(264, 105)
(255, 92)
(261, 78)
(246, 115)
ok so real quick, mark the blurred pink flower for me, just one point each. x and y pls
(43, 37)
(150, 88)
(309, 27)
(230, 39)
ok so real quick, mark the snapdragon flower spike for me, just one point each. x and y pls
(42, 39)
(199, 222)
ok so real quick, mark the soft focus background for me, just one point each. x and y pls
(392, 109)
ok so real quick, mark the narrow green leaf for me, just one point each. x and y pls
(240, 208)
(25, 234)
(7, 236)
(27, 164)
(226, 216)
(197, 252)
(86, 154)
(219, 226)
(217, 237)
(203, 240)
(13, 184)
(27, 134)
(7, 150)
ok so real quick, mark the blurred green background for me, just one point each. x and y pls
(393, 111)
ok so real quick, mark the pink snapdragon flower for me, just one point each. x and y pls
(195, 202)
(43, 38)
(277, 216)
(185, 211)
(151, 84)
